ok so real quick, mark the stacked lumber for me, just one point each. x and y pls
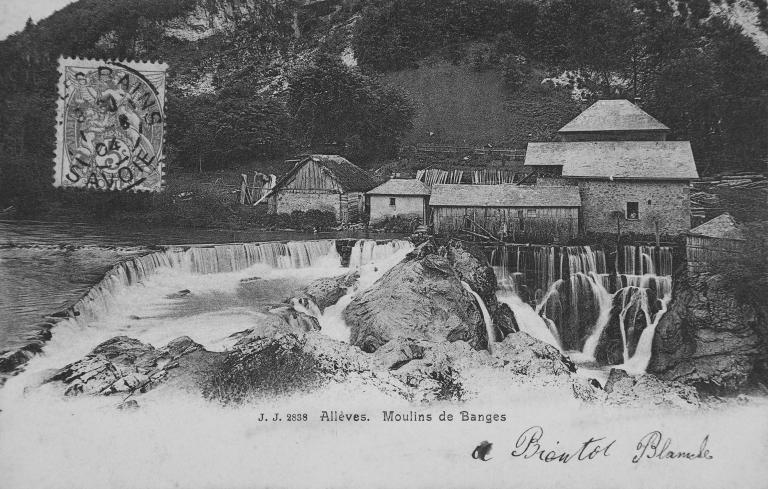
(741, 180)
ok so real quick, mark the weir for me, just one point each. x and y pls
(603, 311)
(223, 259)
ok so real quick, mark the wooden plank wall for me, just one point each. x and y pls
(548, 222)
(701, 251)
(312, 176)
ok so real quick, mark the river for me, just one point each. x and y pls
(45, 267)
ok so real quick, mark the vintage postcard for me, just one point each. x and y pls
(383, 243)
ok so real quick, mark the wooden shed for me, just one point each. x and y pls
(714, 240)
(515, 211)
(324, 182)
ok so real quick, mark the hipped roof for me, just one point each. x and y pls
(400, 186)
(503, 195)
(613, 115)
(723, 226)
(636, 160)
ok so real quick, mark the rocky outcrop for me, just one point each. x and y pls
(326, 292)
(124, 365)
(708, 339)
(287, 363)
(421, 297)
(647, 390)
(12, 361)
(127, 365)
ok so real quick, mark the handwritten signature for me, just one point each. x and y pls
(654, 445)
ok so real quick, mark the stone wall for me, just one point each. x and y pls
(405, 206)
(289, 201)
(669, 201)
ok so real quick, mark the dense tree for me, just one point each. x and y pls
(331, 102)
(229, 127)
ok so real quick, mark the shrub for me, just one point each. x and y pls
(270, 372)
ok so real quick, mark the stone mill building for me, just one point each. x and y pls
(625, 169)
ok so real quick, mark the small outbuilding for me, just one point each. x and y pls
(399, 197)
(324, 182)
(714, 240)
(506, 209)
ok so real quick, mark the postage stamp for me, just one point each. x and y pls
(110, 126)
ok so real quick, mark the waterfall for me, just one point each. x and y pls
(577, 290)
(235, 257)
(638, 363)
(367, 251)
(605, 302)
(486, 316)
(530, 322)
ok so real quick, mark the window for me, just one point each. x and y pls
(391, 201)
(531, 213)
(633, 213)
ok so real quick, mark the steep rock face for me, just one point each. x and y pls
(421, 297)
(707, 338)
(213, 17)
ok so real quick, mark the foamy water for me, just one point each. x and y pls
(177, 439)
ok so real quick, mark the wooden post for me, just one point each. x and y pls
(243, 188)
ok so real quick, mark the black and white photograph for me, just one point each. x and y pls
(383, 243)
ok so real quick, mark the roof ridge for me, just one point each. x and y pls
(613, 115)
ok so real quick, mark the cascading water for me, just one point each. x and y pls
(371, 260)
(529, 321)
(489, 331)
(577, 298)
(366, 251)
(140, 295)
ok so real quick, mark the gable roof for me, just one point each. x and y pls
(400, 186)
(351, 178)
(723, 226)
(633, 160)
(503, 195)
(613, 115)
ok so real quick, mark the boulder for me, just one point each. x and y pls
(647, 390)
(11, 360)
(472, 267)
(421, 297)
(615, 375)
(708, 339)
(326, 292)
(123, 365)
(525, 355)
(504, 321)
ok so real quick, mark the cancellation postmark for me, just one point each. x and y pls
(110, 125)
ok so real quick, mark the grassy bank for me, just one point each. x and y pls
(189, 200)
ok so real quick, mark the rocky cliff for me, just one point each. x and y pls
(709, 339)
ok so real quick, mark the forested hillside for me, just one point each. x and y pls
(253, 80)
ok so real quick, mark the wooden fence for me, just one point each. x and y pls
(508, 153)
